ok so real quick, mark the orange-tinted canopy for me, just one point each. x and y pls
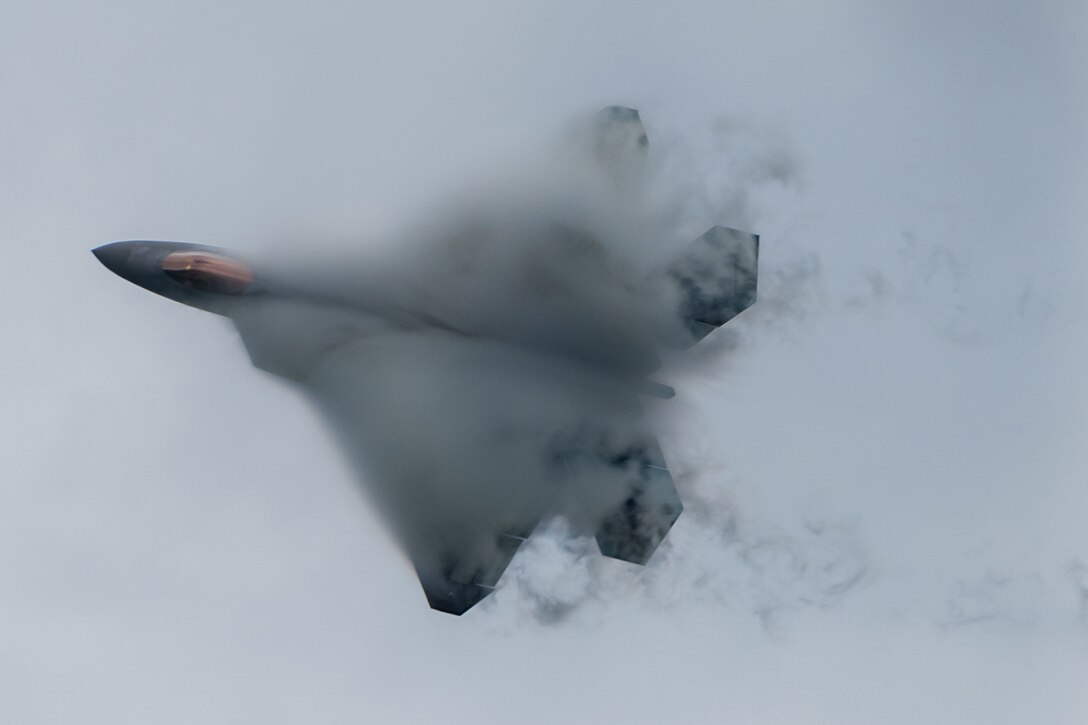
(208, 272)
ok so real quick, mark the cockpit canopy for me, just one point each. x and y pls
(208, 272)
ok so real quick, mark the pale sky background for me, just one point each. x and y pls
(884, 462)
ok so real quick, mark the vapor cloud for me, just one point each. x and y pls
(882, 462)
(491, 379)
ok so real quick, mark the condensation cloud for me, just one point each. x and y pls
(483, 365)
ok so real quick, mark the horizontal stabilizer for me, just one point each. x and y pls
(627, 495)
(633, 531)
(717, 278)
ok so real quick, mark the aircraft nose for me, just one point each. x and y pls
(115, 257)
(136, 262)
(193, 274)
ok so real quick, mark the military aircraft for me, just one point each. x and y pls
(474, 415)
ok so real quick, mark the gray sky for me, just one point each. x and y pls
(883, 461)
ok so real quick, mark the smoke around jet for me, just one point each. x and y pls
(498, 363)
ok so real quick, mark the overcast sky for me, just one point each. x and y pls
(883, 462)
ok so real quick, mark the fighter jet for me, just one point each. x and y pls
(470, 419)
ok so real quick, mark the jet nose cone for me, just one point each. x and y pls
(136, 261)
(115, 257)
